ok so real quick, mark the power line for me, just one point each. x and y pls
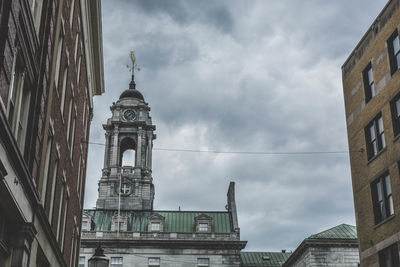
(248, 152)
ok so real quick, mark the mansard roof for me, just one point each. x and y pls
(175, 221)
(269, 259)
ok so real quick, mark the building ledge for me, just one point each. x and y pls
(110, 235)
(377, 155)
(384, 221)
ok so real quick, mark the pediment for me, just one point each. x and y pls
(202, 217)
(155, 216)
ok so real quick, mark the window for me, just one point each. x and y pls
(394, 52)
(36, 12)
(203, 223)
(395, 106)
(53, 188)
(86, 222)
(369, 86)
(119, 223)
(155, 226)
(81, 262)
(155, 223)
(60, 207)
(389, 257)
(382, 198)
(19, 102)
(154, 262)
(78, 75)
(58, 59)
(46, 171)
(203, 262)
(85, 226)
(116, 262)
(76, 45)
(64, 88)
(203, 227)
(71, 102)
(78, 183)
(71, 14)
(65, 220)
(375, 137)
(73, 137)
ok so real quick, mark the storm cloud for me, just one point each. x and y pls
(240, 76)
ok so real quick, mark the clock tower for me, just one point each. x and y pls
(126, 177)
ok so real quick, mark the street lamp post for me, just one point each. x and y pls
(98, 259)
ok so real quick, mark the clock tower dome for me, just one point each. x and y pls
(127, 181)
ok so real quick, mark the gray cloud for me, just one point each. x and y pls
(186, 12)
(240, 76)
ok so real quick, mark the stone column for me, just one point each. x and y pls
(149, 151)
(107, 150)
(115, 150)
(139, 148)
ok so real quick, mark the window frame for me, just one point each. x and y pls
(391, 254)
(80, 264)
(19, 101)
(157, 264)
(201, 221)
(395, 114)
(203, 227)
(200, 264)
(155, 219)
(378, 139)
(118, 264)
(382, 200)
(369, 85)
(47, 167)
(394, 56)
(155, 226)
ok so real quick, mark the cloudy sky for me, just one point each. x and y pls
(240, 76)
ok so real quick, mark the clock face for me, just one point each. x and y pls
(129, 115)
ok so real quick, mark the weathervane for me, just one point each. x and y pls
(134, 65)
(132, 84)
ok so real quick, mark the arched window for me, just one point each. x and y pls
(127, 152)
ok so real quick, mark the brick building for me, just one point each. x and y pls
(371, 87)
(50, 69)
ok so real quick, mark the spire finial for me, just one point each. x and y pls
(132, 84)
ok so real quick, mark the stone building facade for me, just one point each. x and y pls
(50, 69)
(371, 87)
(334, 247)
(131, 232)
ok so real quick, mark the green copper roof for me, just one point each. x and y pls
(175, 221)
(270, 259)
(343, 231)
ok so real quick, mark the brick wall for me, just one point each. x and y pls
(358, 115)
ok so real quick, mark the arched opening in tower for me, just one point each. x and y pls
(127, 152)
